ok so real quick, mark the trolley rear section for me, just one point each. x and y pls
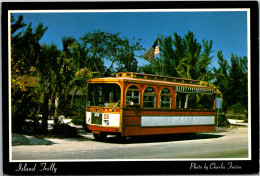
(133, 104)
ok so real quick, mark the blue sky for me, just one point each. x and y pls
(228, 30)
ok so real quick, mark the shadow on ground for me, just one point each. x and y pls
(19, 139)
(163, 138)
(80, 138)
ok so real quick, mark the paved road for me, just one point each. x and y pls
(232, 143)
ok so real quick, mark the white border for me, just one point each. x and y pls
(137, 10)
(9, 86)
(249, 83)
(130, 10)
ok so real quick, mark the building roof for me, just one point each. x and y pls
(26, 81)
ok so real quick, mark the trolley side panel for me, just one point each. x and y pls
(137, 130)
(147, 122)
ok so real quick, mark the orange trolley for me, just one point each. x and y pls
(132, 104)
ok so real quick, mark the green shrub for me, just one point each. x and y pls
(64, 130)
(77, 120)
(238, 108)
(31, 128)
(222, 121)
(78, 110)
(237, 111)
(24, 108)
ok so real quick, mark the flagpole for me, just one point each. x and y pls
(159, 56)
(161, 68)
(152, 52)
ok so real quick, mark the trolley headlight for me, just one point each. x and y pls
(131, 102)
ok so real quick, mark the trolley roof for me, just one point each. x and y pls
(141, 78)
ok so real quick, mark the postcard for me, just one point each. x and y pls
(152, 87)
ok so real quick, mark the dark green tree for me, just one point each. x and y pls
(75, 57)
(232, 80)
(49, 82)
(237, 83)
(25, 52)
(164, 63)
(25, 46)
(79, 55)
(127, 57)
(183, 57)
(196, 57)
(221, 76)
(104, 47)
(152, 68)
(167, 56)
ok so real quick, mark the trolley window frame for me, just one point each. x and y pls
(153, 94)
(139, 97)
(171, 94)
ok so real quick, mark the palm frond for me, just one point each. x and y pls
(208, 84)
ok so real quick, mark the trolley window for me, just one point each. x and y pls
(132, 96)
(180, 100)
(149, 98)
(106, 95)
(165, 98)
(194, 101)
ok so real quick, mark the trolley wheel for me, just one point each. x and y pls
(100, 137)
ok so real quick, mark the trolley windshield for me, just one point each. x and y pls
(105, 95)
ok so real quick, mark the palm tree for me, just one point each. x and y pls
(153, 68)
(148, 69)
(47, 66)
(195, 61)
(79, 55)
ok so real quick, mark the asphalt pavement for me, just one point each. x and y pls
(228, 143)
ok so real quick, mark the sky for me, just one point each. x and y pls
(227, 29)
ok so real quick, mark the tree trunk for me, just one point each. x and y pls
(66, 111)
(39, 110)
(186, 101)
(73, 96)
(45, 113)
(56, 106)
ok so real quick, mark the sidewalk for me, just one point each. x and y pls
(237, 122)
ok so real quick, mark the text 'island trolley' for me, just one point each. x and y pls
(133, 104)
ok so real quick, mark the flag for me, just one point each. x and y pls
(150, 54)
(156, 50)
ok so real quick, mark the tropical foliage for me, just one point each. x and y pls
(109, 48)
(185, 57)
(61, 73)
(232, 81)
